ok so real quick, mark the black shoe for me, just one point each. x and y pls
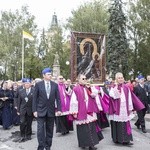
(48, 148)
(28, 138)
(13, 132)
(92, 148)
(22, 140)
(16, 139)
(127, 143)
(63, 133)
(144, 131)
(130, 143)
(83, 147)
(137, 125)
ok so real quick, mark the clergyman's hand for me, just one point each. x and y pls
(75, 115)
(58, 113)
(35, 114)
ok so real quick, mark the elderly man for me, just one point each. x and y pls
(121, 106)
(63, 124)
(82, 109)
(46, 95)
(24, 109)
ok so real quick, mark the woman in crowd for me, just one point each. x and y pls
(6, 110)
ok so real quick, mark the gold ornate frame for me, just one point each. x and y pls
(96, 40)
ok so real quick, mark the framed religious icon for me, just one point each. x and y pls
(88, 56)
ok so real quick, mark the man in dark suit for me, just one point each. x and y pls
(140, 92)
(24, 109)
(147, 85)
(46, 95)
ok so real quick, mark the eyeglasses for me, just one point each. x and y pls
(83, 78)
(49, 74)
(61, 78)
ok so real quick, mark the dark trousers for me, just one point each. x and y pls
(45, 126)
(141, 119)
(26, 125)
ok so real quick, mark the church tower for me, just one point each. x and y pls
(54, 22)
(52, 29)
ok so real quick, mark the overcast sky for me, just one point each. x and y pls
(44, 9)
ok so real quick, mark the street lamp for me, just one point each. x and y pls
(67, 63)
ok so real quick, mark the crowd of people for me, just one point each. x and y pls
(87, 106)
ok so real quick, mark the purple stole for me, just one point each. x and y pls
(82, 109)
(104, 101)
(114, 105)
(92, 106)
(64, 105)
(68, 101)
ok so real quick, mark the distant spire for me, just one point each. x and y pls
(54, 20)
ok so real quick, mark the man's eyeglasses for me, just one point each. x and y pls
(83, 78)
(49, 74)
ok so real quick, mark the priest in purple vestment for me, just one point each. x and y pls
(63, 124)
(82, 109)
(121, 106)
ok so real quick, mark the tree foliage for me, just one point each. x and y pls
(139, 27)
(117, 45)
(90, 17)
(11, 26)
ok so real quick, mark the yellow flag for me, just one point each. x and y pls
(26, 35)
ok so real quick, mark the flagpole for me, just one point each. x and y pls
(22, 57)
(25, 35)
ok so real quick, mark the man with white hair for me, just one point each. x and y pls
(121, 105)
(63, 125)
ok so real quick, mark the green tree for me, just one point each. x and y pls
(56, 45)
(117, 45)
(140, 36)
(66, 68)
(90, 17)
(43, 50)
(11, 26)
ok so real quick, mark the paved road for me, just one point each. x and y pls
(69, 142)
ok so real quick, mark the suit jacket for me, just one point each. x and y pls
(16, 95)
(25, 101)
(43, 105)
(141, 94)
